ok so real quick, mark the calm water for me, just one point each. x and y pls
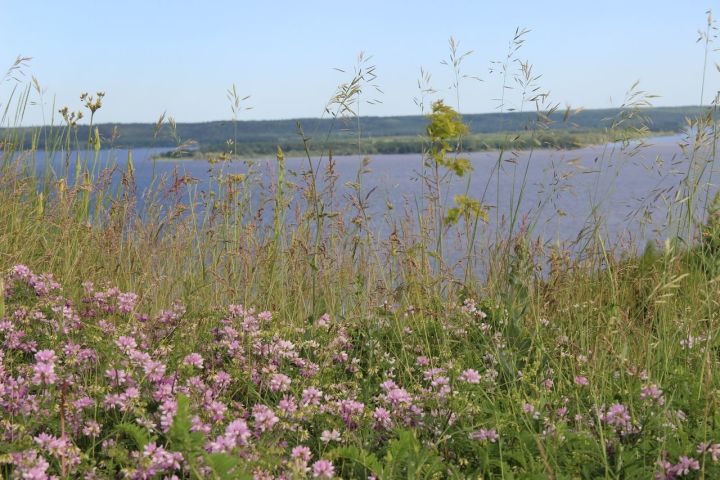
(566, 191)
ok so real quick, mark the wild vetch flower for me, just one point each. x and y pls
(221, 379)
(197, 425)
(193, 360)
(302, 452)
(328, 436)
(470, 376)
(349, 409)
(617, 416)
(264, 417)
(483, 435)
(284, 349)
(691, 341)
(217, 410)
(44, 369)
(323, 469)
(382, 418)
(168, 409)
(91, 428)
(279, 382)
(422, 361)
(161, 461)
(530, 410)
(60, 448)
(31, 466)
(154, 370)
(652, 392)
(311, 396)
(126, 344)
(469, 306)
(665, 472)
(398, 396)
(712, 449)
(126, 302)
(238, 430)
(116, 377)
(287, 405)
(582, 381)
(684, 465)
(431, 373)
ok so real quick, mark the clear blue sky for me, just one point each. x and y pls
(181, 56)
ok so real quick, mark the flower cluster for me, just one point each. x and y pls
(97, 388)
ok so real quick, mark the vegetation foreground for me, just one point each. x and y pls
(198, 336)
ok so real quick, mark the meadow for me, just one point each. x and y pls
(207, 334)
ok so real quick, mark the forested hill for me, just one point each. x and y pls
(263, 135)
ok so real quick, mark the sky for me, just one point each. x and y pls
(181, 57)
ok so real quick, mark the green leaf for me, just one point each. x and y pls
(179, 434)
(221, 464)
(139, 435)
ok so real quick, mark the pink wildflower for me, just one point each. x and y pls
(193, 360)
(470, 376)
(323, 469)
(328, 436)
(302, 452)
(279, 382)
(485, 435)
(685, 464)
(311, 396)
(264, 417)
(382, 418)
(652, 392)
(618, 417)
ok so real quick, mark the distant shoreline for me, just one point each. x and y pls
(475, 143)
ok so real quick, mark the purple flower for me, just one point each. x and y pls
(483, 435)
(328, 436)
(470, 376)
(323, 469)
(238, 431)
(264, 417)
(44, 373)
(531, 410)
(193, 360)
(30, 465)
(279, 382)
(323, 321)
(382, 418)
(617, 416)
(46, 356)
(126, 344)
(712, 449)
(311, 396)
(127, 301)
(302, 452)
(652, 392)
(684, 465)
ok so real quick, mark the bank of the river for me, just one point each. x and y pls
(479, 142)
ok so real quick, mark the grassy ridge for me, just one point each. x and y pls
(385, 134)
(388, 145)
